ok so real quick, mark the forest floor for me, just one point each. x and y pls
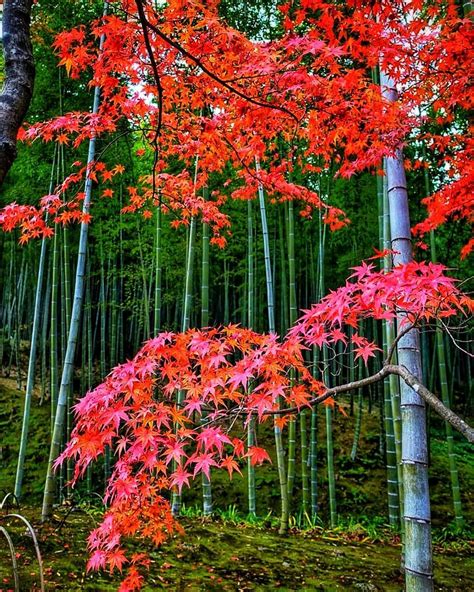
(360, 554)
(215, 555)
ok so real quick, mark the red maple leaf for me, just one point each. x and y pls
(258, 455)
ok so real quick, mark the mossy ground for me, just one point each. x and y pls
(222, 556)
(215, 555)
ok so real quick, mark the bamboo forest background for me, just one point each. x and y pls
(144, 275)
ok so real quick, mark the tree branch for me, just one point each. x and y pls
(335, 390)
(212, 75)
(410, 379)
(17, 89)
(458, 424)
(144, 24)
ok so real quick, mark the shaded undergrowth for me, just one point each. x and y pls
(229, 554)
(230, 551)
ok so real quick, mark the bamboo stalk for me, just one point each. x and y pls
(328, 411)
(30, 380)
(443, 380)
(417, 516)
(206, 481)
(186, 318)
(393, 463)
(271, 326)
(359, 413)
(293, 315)
(158, 271)
(251, 492)
(68, 366)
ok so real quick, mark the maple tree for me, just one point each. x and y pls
(162, 445)
(195, 89)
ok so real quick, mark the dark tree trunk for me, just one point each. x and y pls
(19, 78)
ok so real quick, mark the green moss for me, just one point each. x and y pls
(220, 556)
(11, 413)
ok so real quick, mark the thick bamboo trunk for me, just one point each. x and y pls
(417, 517)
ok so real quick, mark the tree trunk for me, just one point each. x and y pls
(19, 78)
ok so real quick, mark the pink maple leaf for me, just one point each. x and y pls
(202, 463)
(180, 477)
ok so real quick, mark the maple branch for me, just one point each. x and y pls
(333, 391)
(410, 379)
(17, 89)
(159, 87)
(211, 74)
(250, 171)
(454, 340)
(394, 344)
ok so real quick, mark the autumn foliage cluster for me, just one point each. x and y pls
(179, 76)
(169, 413)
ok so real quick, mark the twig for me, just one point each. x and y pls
(410, 379)
(214, 76)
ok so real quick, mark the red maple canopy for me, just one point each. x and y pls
(193, 88)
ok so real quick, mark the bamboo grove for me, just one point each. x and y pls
(210, 187)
